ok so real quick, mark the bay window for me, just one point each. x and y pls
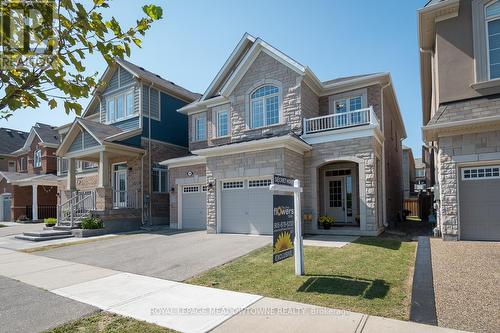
(264, 107)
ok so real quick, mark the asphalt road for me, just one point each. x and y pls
(24, 308)
(164, 255)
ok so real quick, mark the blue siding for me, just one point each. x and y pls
(89, 141)
(173, 127)
(77, 143)
(134, 141)
(128, 124)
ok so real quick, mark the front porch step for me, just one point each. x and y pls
(44, 235)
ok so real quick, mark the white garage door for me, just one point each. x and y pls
(247, 207)
(479, 194)
(194, 207)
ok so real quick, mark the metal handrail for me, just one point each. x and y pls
(340, 120)
(74, 204)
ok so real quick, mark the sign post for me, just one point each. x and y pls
(286, 184)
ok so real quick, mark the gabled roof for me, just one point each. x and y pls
(11, 140)
(47, 134)
(143, 75)
(244, 55)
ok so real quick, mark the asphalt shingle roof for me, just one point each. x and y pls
(101, 131)
(11, 140)
(47, 133)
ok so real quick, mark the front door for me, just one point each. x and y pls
(120, 185)
(335, 198)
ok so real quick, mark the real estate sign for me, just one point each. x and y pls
(283, 227)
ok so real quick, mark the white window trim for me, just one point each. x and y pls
(115, 96)
(191, 187)
(195, 128)
(264, 106)
(233, 188)
(160, 171)
(486, 21)
(35, 153)
(348, 95)
(477, 168)
(215, 115)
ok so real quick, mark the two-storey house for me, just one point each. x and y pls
(129, 126)
(265, 114)
(33, 183)
(11, 140)
(459, 44)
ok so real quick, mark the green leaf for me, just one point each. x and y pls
(154, 12)
(52, 103)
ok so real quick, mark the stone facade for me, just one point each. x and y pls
(363, 152)
(453, 152)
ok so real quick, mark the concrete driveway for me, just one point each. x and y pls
(164, 255)
(13, 228)
(466, 284)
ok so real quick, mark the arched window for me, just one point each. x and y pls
(265, 106)
(492, 16)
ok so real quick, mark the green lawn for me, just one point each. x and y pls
(370, 276)
(104, 322)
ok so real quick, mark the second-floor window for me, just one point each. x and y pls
(23, 164)
(264, 107)
(492, 15)
(200, 127)
(222, 123)
(37, 158)
(420, 173)
(119, 107)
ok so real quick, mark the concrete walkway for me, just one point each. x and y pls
(184, 307)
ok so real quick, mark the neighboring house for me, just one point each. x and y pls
(460, 74)
(33, 183)
(408, 172)
(11, 140)
(421, 181)
(129, 126)
(266, 114)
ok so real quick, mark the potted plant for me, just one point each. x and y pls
(326, 221)
(50, 222)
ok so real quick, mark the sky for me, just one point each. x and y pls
(332, 37)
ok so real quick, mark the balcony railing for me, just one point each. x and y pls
(340, 120)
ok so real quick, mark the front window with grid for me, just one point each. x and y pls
(37, 158)
(191, 189)
(232, 185)
(159, 178)
(481, 173)
(259, 183)
(492, 15)
(264, 107)
(200, 127)
(222, 123)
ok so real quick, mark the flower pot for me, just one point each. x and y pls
(326, 226)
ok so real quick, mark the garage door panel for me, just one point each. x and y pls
(194, 210)
(479, 206)
(246, 210)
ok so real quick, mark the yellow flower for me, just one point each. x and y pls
(284, 242)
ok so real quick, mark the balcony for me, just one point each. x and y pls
(341, 126)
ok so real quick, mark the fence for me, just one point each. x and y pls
(44, 211)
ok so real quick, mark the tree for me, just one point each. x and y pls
(42, 60)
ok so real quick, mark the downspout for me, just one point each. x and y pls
(149, 157)
(384, 194)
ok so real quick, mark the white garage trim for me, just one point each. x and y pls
(180, 193)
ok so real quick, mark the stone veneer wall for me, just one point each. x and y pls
(178, 176)
(453, 150)
(363, 149)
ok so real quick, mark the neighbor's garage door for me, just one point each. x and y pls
(194, 207)
(479, 194)
(247, 207)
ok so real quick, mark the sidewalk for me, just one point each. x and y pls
(185, 307)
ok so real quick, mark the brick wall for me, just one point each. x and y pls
(23, 196)
(179, 176)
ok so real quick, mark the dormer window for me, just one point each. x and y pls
(265, 106)
(492, 16)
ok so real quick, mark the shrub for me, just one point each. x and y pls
(92, 222)
(50, 222)
(326, 221)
